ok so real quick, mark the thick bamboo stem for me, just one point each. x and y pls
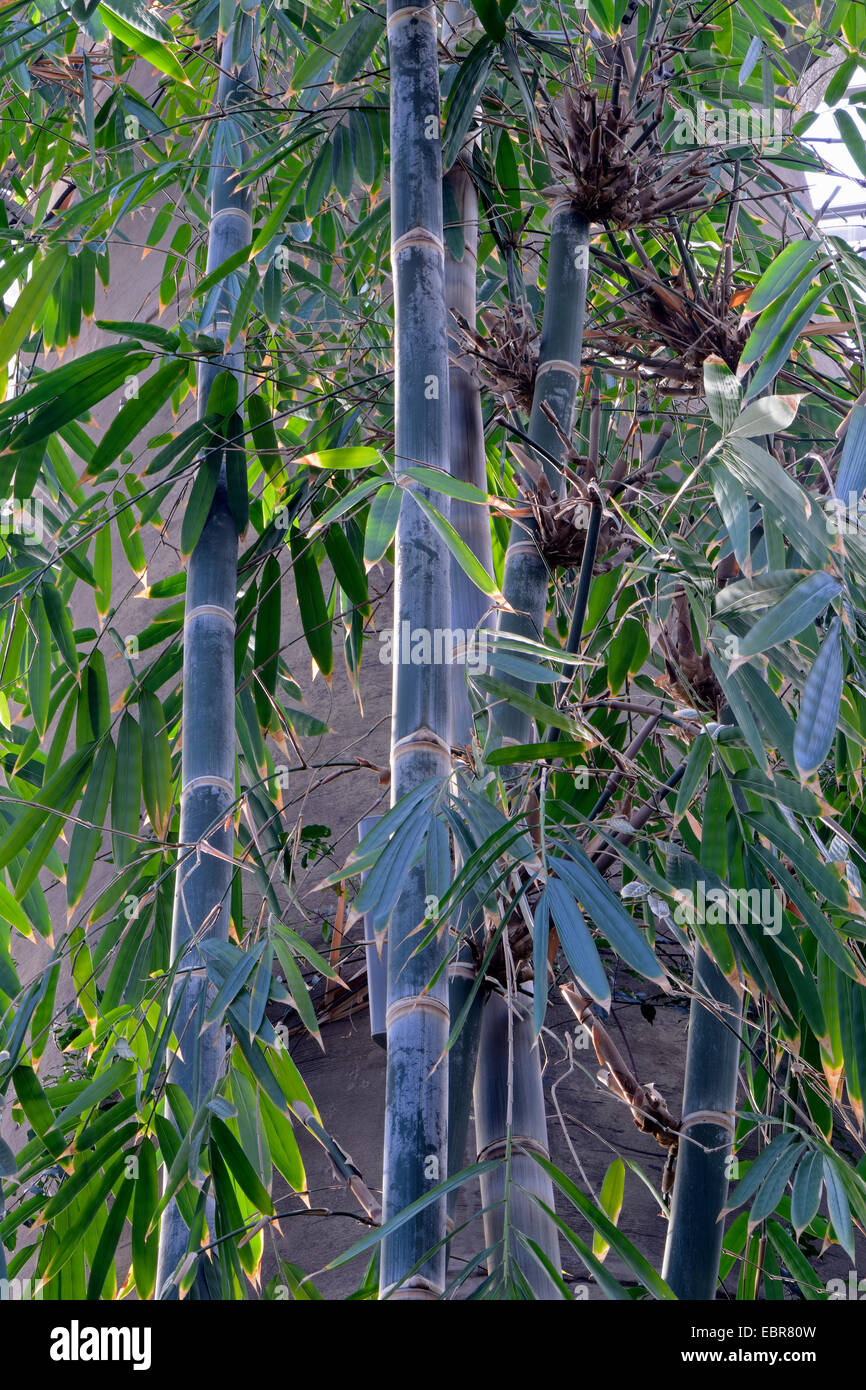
(694, 1241)
(526, 577)
(508, 1195)
(525, 589)
(203, 883)
(416, 1102)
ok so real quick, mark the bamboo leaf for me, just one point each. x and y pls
(144, 1204)
(315, 618)
(577, 943)
(18, 323)
(126, 792)
(459, 549)
(136, 413)
(381, 522)
(610, 1201)
(88, 833)
(819, 704)
(806, 1191)
(796, 611)
(267, 643)
(607, 913)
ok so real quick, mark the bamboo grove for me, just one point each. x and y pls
(533, 348)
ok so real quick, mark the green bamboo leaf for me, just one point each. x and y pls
(783, 272)
(91, 1202)
(102, 570)
(39, 1113)
(459, 549)
(783, 337)
(734, 507)
(132, 32)
(130, 540)
(109, 1240)
(241, 1168)
(381, 522)
(466, 93)
(319, 183)
(39, 663)
(851, 478)
(774, 1184)
(315, 619)
(610, 1201)
(854, 142)
(806, 1191)
(199, 503)
(723, 393)
(61, 624)
(136, 413)
(766, 416)
(820, 875)
(759, 1169)
(155, 760)
(88, 832)
(819, 704)
(358, 47)
(791, 1256)
(608, 914)
(577, 943)
(24, 314)
(126, 792)
(144, 1204)
(362, 139)
(58, 793)
(77, 396)
(632, 1258)
(264, 435)
(347, 569)
(838, 1206)
(790, 616)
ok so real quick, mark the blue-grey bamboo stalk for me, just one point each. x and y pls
(525, 589)
(203, 884)
(416, 1100)
(694, 1241)
(509, 1085)
(469, 615)
(526, 576)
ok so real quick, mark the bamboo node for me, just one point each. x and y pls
(208, 781)
(558, 364)
(414, 1288)
(424, 1002)
(421, 738)
(417, 236)
(723, 1118)
(411, 12)
(499, 1147)
(214, 610)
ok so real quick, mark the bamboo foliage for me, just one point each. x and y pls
(416, 1106)
(203, 886)
(715, 738)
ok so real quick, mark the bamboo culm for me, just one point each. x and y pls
(525, 589)
(526, 576)
(469, 614)
(694, 1241)
(416, 1096)
(203, 882)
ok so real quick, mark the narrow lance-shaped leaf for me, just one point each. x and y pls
(819, 704)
